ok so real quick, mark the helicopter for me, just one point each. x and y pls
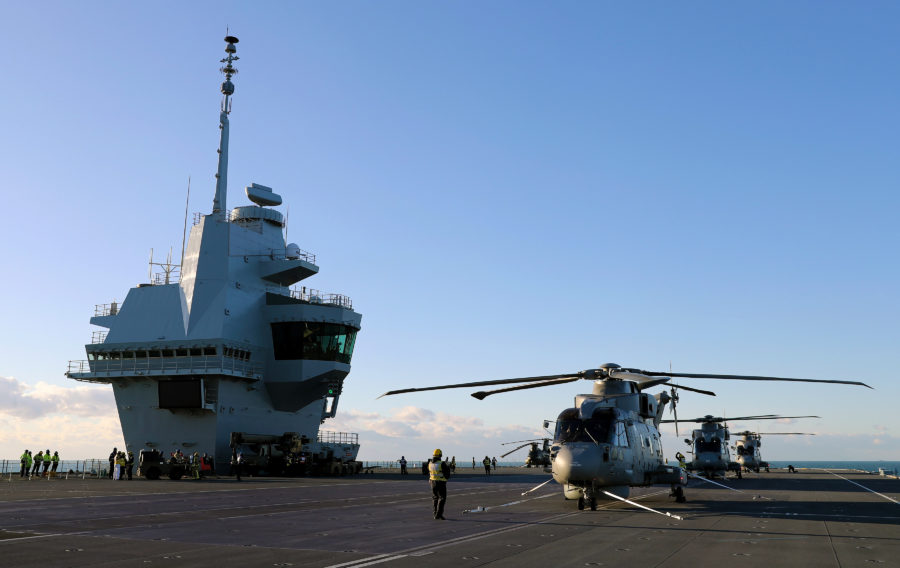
(747, 448)
(609, 441)
(710, 444)
(537, 457)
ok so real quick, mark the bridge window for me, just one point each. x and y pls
(313, 340)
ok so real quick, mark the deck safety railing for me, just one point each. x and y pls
(168, 365)
(95, 468)
(338, 437)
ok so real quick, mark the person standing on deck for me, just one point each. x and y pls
(438, 474)
(54, 464)
(46, 463)
(112, 461)
(486, 462)
(38, 460)
(25, 461)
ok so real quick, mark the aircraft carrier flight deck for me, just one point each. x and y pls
(809, 518)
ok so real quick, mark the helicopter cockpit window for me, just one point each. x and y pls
(714, 445)
(570, 428)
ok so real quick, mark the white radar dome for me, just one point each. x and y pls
(292, 251)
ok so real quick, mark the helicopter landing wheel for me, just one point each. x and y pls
(592, 503)
(581, 503)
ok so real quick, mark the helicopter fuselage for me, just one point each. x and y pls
(610, 441)
(711, 455)
(747, 452)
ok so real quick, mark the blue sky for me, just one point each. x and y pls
(504, 189)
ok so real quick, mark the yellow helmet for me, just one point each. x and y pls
(438, 453)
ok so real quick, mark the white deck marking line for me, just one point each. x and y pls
(864, 487)
(829, 515)
(355, 562)
(370, 562)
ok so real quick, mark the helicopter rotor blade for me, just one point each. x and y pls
(520, 441)
(724, 419)
(747, 378)
(635, 375)
(785, 434)
(572, 376)
(692, 389)
(481, 395)
(516, 450)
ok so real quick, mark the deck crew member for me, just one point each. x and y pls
(54, 464)
(38, 460)
(112, 461)
(486, 462)
(438, 474)
(129, 464)
(403, 470)
(25, 461)
(47, 459)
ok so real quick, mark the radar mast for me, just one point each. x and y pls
(219, 204)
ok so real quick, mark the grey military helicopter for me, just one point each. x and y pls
(537, 456)
(609, 440)
(747, 452)
(710, 444)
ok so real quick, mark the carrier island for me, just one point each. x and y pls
(225, 349)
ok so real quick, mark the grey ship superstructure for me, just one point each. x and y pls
(229, 346)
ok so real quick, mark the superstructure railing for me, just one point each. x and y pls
(166, 365)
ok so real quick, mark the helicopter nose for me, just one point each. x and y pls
(575, 463)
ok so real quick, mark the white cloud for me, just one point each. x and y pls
(30, 402)
(79, 421)
(416, 431)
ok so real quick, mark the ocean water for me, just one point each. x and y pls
(861, 465)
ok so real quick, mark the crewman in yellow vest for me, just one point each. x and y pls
(25, 461)
(54, 463)
(438, 474)
(38, 460)
(47, 459)
(681, 461)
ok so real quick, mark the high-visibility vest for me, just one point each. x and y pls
(47, 458)
(55, 458)
(435, 473)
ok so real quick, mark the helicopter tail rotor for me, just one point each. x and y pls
(675, 409)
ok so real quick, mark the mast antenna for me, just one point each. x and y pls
(187, 201)
(219, 206)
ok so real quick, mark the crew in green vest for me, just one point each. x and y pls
(47, 459)
(38, 460)
(54, 464)
(25, 461)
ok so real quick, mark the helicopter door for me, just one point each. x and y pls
(632, 455)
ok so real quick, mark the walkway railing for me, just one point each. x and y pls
(95, 468)
(203, 364)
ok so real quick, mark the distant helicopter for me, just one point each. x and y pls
(747, 452)
(609, 441)
(537, 457)
(710, 444)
